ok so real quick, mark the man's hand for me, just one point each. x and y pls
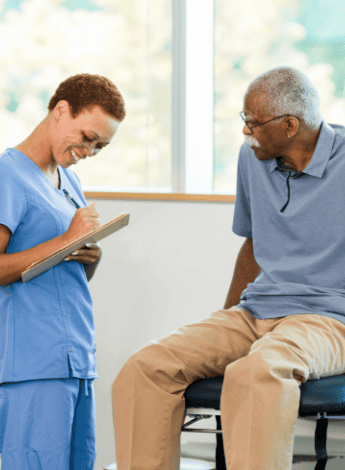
(89, 254)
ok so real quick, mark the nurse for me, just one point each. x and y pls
(47, 337)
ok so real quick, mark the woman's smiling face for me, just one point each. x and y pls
(84, 136)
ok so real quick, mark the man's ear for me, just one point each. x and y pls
(292, 126)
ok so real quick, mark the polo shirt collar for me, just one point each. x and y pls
(321, 156)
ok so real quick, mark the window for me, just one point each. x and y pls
(251, 38)
(44, 42)
(183, 67)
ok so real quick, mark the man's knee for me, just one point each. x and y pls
(150, 364)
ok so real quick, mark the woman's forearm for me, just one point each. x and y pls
(13, 264)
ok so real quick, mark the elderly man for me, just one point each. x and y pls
(283, 321)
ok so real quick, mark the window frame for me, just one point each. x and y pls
(160, 196)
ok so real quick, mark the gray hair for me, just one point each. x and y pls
(289, 91)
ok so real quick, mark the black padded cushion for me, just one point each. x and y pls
(326, 394)
(322, 395)
(204, 393)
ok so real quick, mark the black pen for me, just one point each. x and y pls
(71, 200)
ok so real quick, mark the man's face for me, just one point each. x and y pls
(80, 137)
(267, 141)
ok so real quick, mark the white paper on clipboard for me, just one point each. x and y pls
(107, 229)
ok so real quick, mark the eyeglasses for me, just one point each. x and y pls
(262, 123)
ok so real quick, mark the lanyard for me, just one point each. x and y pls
(288, 200)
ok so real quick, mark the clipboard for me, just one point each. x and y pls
(92, 237)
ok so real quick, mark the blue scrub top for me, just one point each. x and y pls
(299, 242)
(46, 325)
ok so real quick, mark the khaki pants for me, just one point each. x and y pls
(263, 362)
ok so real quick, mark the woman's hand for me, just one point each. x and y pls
(85, 220)
(89, 254)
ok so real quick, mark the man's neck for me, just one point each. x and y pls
(302, 150)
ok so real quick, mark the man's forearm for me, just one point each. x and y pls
(246, 271)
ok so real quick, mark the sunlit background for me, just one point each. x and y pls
(131, 42)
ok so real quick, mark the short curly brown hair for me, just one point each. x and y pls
(84, 91)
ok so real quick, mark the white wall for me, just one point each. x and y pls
(171, 266)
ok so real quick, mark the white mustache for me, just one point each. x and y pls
(252, 141)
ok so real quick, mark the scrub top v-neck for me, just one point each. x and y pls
(46, 325)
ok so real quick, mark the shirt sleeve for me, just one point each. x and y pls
(242, 222)
(12, 198)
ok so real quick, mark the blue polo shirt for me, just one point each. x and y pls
(299, 241)
(46, 325)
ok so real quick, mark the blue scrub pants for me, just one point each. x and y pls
(47, 425)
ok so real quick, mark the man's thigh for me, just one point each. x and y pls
(318, 341)
(199, 350)
(39, 423)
